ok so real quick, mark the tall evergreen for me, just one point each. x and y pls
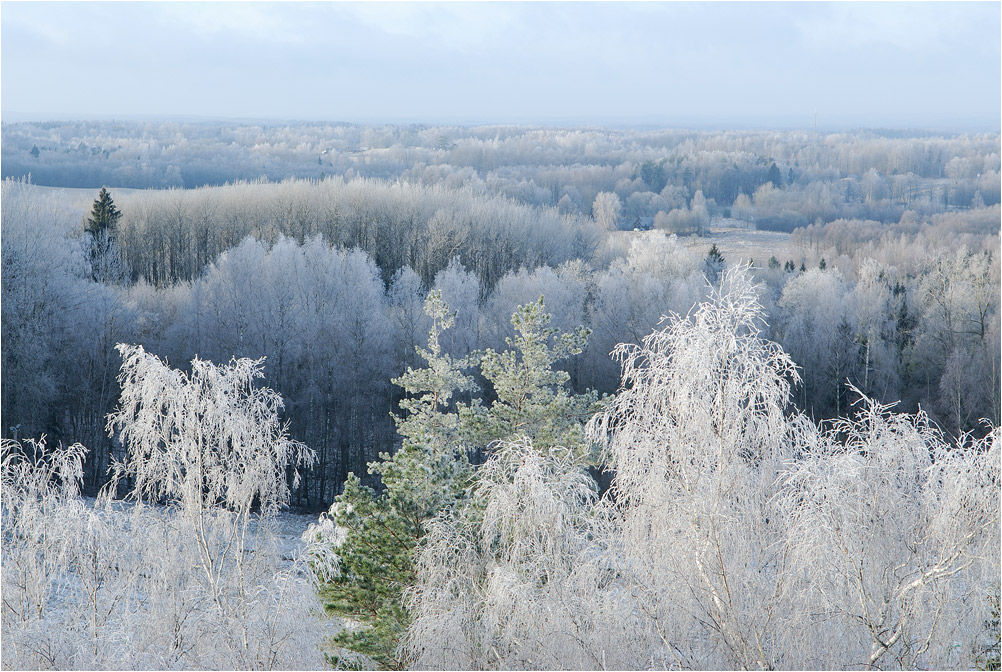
(105, 259)
(103, 215)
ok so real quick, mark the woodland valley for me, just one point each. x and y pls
(553, 398)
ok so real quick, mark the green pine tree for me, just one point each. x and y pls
(104, 215)
(533, 399)
(430, 475)
(429, 472)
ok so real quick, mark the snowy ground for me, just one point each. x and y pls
(290, 527)
(737, 242)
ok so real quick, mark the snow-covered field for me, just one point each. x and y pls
(736, 241)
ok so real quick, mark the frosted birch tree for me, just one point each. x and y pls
(894, 534)
(187, 573)
(697, 438)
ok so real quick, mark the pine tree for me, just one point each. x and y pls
(104, 215)
(428, 473)
(533, 400)
(483, 571)
(430, 478)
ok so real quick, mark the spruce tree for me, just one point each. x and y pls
(103, 215)
(714, 264)
(105, 259)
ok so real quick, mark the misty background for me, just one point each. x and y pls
(712, 65)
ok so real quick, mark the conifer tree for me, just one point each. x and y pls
(430, 478)
(533, 400)
(105, 260)
(103, 215)
(714, 264)
(477, 561)
(380, 531)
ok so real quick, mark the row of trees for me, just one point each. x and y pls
(778, 180)
(335, 327)
(167, 236)
(735, 534)
(736, 531)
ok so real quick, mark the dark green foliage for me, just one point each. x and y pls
(714, 263)
(775, 176)
(103, 215)
(427, 473)
(654, 175)
(376, 566)
(430, 472)
(774, 263)
(714, 255)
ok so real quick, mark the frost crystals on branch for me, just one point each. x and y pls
(206, 439)
(697, 438)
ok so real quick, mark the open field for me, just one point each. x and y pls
(736, 241)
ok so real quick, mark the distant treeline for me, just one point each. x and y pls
(776, 180)
(327, 279)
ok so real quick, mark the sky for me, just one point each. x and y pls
(755, 64)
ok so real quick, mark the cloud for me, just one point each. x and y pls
(453, 26)
(913, 27)
(261, 22)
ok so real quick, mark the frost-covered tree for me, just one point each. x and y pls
(606, 210)
(39, 486)
(204, 440)
(41, 281)
(894, 537)
(92, 586)
(461, 290)
(658, 276)
(697, 439)
(498, 581)
(818, 328)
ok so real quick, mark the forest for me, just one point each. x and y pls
(542, 412)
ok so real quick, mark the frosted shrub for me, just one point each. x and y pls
(197, 581)
(737, 534)
(497, 585)
(697, 439)
(896, 535)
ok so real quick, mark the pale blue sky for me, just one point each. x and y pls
(675, 64)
